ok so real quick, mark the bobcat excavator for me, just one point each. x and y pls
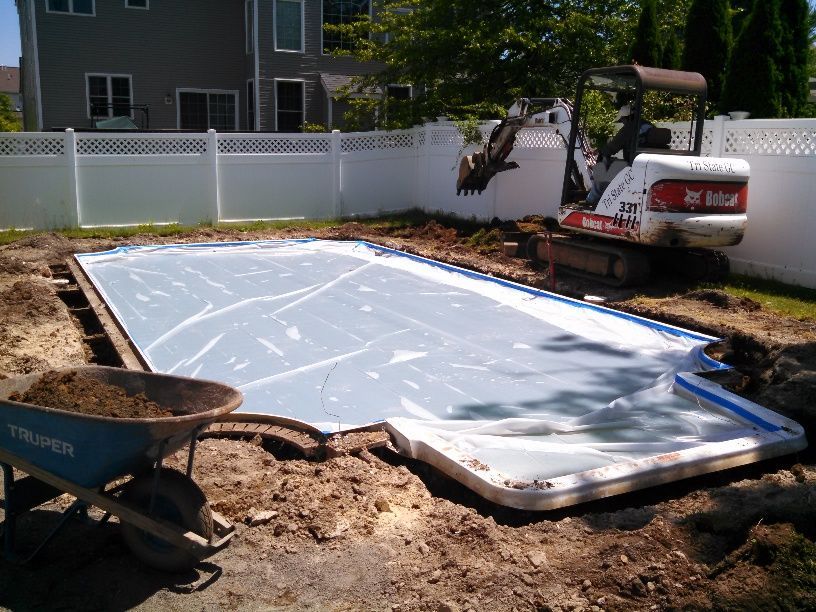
(648, 202)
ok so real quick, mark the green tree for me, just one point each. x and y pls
(8, 119)
(471, 58)
(672, 56)
(793, 63)
(466, 59)
(753, 80)
(708, 42)
(646, 49)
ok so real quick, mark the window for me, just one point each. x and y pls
(339, 12)
(289, 105)
(250, 96)
(139, 4)
(207, 110)
(249, 25)
(109, 95)
(74, 7)
(289, 25)
(399, 92)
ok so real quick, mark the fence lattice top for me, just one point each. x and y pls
(768, 138)
(377, 142)
(272, 145)
(141, 145)
(758, 141)
(32, 144)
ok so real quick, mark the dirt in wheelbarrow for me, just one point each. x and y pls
(77, 393)
(372, 531)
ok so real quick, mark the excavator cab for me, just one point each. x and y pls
(633, 96)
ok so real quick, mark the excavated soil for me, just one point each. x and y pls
(85, 395)
(373, 531)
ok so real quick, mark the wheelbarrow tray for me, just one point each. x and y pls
(91, 451)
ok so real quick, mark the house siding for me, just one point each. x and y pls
(307, 66)
(175, 44)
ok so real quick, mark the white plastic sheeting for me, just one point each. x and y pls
(531, 399)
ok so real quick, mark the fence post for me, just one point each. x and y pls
(426, 205)
(212, 151)
(74, 213)
(718, 131)
(337, 194)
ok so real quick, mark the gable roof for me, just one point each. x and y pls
(334, 85)
(9, 79)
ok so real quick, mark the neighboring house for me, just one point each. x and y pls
(812, 86)
(10, 86)
(188, 64)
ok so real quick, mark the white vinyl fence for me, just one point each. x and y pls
(68, 179)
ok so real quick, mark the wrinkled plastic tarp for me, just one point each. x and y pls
(518, 387)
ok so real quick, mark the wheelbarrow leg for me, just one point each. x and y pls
(191, 453)
(14, 507)
(78, 507)
(9, 523)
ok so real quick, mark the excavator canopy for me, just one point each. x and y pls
(641, 77)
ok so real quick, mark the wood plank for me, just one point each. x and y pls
(121, 343)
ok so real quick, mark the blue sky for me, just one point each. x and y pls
(9, 34)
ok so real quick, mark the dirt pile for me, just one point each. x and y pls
(36, 331)
(77, 393)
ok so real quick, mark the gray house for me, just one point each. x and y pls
(185, 64)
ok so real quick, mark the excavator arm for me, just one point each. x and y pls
(476, 170)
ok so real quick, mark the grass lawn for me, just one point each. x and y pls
(789, 300)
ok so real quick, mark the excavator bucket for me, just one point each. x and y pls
(470, 174)
(475, 172)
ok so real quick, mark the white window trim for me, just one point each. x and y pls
(255, 109)
(146, 7)
(110, 90)
(322, 47)
(302, 27)
(303, 85)
(249, 48)
(70, 10)
(181, 90)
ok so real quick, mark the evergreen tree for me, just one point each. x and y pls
(672, 56)
(708, 42)
(793, 63)
(752, 82)
(646, 49)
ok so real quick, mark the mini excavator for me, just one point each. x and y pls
(653, 200)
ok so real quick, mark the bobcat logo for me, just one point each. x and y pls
(692, 197)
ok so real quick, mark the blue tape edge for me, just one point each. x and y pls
(161, 247)
(676, 331)
(726, 403)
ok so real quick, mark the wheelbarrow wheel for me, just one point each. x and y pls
(179, 501)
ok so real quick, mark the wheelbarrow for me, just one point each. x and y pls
(166, 520)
